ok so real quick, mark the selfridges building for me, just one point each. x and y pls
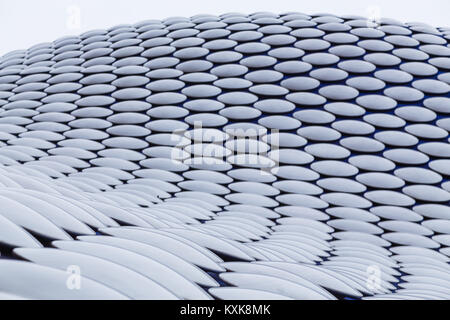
(261, 156)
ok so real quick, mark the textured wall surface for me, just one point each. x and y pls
(258, 156)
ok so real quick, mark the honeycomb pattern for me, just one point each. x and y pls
(261, 156)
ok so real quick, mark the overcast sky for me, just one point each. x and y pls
(28, 22)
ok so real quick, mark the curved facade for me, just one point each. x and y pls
(258, 156)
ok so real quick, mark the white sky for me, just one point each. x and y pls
(24, 23)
